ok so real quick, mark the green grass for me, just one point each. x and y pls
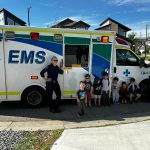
(39, 140)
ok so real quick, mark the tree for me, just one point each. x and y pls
(131, 36)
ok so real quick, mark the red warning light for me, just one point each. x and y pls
(34, 35)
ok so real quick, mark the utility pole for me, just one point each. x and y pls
(28, 9)
(146, 39)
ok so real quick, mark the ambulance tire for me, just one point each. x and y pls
(33, 97)
(145, 88)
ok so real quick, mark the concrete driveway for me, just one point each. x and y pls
(135, 136)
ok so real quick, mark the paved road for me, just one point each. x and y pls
(15, 112)
(134, 136)
(14, 116)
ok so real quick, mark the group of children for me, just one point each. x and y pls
(100, 90)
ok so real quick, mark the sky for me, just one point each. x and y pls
(131, 13)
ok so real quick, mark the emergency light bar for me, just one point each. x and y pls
(105, 39)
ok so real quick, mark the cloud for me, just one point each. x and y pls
(125, 2)
(48, 4)
(143, 9)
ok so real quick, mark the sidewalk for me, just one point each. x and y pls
(135, 136)
(41, 119)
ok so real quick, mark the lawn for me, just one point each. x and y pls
(39, 140)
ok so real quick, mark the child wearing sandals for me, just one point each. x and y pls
(97, 91)
(81, 98)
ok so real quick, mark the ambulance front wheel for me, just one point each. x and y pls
(145, 88)
(33, 96)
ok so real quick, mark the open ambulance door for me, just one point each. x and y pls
(2, 69)
(76, 63)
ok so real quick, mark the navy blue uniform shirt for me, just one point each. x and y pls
(52, 71)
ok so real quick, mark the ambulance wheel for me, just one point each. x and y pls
(33, 96)
(144, 86)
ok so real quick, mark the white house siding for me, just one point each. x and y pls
(106, 23)
(1, 18)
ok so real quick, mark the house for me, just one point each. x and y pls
(71, 24)
(7, 18)
(111, 25)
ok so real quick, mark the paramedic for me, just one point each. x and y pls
(52, 84)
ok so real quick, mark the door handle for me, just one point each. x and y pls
(115, 69)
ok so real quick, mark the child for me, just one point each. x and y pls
(105, 89)
(88, 88)
(115, 91)
(81, 98)
(123, 93)
(97, 91)
(133, 91)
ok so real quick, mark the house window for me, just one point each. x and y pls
(10, 21)
(76, 54)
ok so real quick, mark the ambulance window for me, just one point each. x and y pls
(126, 58)
(76, 55)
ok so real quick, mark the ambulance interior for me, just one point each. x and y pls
(76, 55)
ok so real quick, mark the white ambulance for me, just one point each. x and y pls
(25, 51)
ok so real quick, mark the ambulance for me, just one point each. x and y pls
(25, 51)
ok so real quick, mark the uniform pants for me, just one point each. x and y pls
(50, 88)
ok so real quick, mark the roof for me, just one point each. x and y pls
(121, 25)
(75, 23)
(72, 23)
(103, 26)
(61, 22)
(2, 9)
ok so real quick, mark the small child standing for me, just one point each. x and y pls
(115, 91)
(88, 88)
(105, 89)
(81, 98)
(123, 93)
(97, 91)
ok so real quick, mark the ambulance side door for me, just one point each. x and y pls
(2, 69)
